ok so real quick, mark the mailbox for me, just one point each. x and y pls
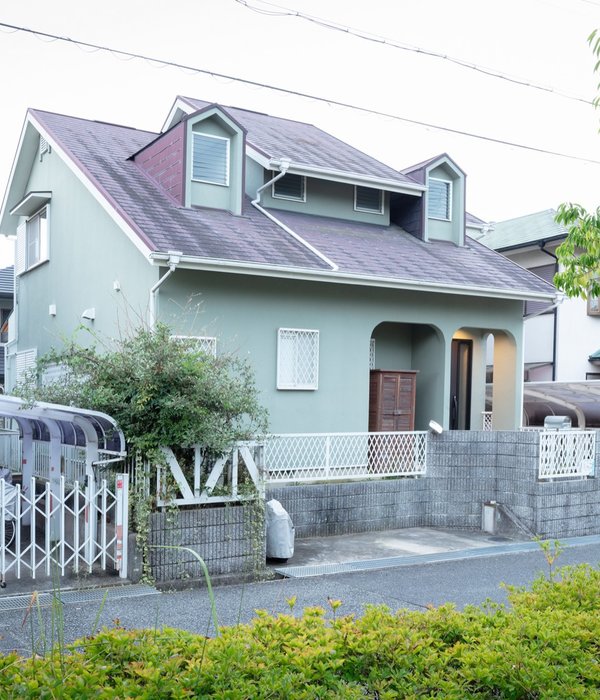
(557, 423)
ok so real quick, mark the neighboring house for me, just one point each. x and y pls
(272, 239)
(560, 342)
(7, 277)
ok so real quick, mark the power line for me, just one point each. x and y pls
(352, 31)
(305, 95)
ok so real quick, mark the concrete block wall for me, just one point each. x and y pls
(226, 537)
(465, 469)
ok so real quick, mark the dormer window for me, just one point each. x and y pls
(210, 159)
(368, 199)
(290, 186)
(439, 199)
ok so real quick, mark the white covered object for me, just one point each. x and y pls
(280, 531)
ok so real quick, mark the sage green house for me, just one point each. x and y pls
(271, 239)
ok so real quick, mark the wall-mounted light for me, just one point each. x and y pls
(52, 310)
(89, 314)
(435, 427)
(116, 286)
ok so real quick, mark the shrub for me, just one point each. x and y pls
(543, 645)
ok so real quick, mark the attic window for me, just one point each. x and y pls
(290, 186)
(368, 199)
(210, 160)
(439, 199)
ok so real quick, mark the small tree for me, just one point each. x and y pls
(579, 254)
(162, 391)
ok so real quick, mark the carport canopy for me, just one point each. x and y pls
(578, 400)
(63, 425)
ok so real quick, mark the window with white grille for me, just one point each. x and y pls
(439, 199)
(210, 160)
(32, 242)
(297, 359)
(54, 373)
(202, 343)
(24, 361)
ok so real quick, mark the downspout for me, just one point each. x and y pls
(284, 164)
(174, 258)
(555, 312)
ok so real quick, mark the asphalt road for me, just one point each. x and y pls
(461, 581)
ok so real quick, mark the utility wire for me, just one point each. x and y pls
(275, 88)
(282, 11)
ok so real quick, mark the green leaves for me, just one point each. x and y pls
(544, 646)
(579, 254)
(162, 391)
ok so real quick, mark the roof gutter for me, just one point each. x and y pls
(174, 259)
(303, 274)
(284, 164)
(558, 301)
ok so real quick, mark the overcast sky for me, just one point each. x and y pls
(542, 42)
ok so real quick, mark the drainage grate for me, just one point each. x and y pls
(22, 602)
(85, 595)
(410, 560)
(390, 562)
(93, 595)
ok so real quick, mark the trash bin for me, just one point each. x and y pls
(280, 532)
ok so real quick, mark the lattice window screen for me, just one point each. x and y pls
(372, 354)
(297, 359)
(205, 344)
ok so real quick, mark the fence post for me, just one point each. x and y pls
(122, 524)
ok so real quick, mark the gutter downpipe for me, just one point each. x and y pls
(555, 311)
(284, 164)
(174, 259)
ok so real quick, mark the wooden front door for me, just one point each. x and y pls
(392, 400)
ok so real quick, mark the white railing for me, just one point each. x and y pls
(10, 449)
(72, 461)
(325, 456)
(567, 453)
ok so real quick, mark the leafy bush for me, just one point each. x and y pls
(544, 645)
(161, 390)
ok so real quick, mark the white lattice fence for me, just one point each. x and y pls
(567, 453)
(326, 456)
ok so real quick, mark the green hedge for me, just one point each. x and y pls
(544, 644)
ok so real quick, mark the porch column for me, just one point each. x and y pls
(507, 391)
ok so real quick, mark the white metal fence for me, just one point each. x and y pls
(326, 456)
(567, 453)
(70, 528)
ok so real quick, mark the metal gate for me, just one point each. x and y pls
(60, 529)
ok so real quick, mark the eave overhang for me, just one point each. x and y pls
(31, 202)
(389, 185)
(337, 277)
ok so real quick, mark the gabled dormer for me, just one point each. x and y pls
(199, 160)
(443, 206)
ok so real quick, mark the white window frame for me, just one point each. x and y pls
(23, 261)
(206, 343)
(288, 197)
(365, 209)
(448, 184)
(289, 378)
(227, 157)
